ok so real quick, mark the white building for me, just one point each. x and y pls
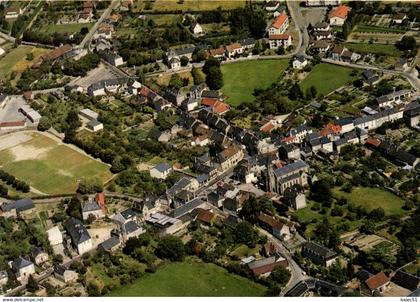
(54, 236)
(279, 25)
(339, 15)
(161, 171)
(299, 62)
(280, 40)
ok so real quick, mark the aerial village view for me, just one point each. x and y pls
(210, 148)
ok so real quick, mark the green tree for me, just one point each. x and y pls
(170, 247)
(184, 61)
(44, 124)
(245, 233)
(198, 76)
(32, 285)
(280, 275)
(214, 78)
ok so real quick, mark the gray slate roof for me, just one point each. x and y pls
(77, 231)
(162, 167)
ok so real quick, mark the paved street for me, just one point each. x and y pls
(297, 274)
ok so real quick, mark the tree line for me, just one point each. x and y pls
(11, 180)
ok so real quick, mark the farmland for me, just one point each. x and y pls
(327, 78)
(379, 49)
(65, 28)
(16, 61)
(372, 198)
(48, 166)
(190, 279)
(200, 5)
(240, 79)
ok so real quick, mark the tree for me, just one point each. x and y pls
(407, 43)
(377, 214)
(321, 191)
(44, 124)
(210, 62)
(245, 233)
(184, 61)
(198, 76)
(280, 275)
(295, 92)
(214, 78)
(84, 31)
(176, 81)
(32, 285)
(171, 247)
(74, 209)
(90, 185)
(252, 207)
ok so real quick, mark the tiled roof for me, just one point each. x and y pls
(279, 37)
(280, 20)
(340, 12)
(377, 280)
(205, 215)
(232, 47)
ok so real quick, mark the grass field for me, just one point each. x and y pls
(240, 79)
(196, 5)
(372, 198)
(380, 49)
(376, 29)
(65, 28)
(15, 60)
(327, 78)
(190, 279)
(46, 165)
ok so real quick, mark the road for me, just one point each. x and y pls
(410, 76)
(297, 274)
(93, 29)
(301, 25)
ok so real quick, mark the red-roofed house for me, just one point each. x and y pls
(379, 282)
(205, 216)
(279, 25)
(339, 15)
(268, 127)
(276, 227)
(373, 142)
(100, 200)
(330, 130)
(233, 49)
(216, 106)
(283, 40)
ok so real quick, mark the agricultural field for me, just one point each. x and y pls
(378, 49)
(194, 5)
(48, 166)
(372, 198)
(15, 60)
(190, 279)
(65, 28)
(240, 79)
(327, 78)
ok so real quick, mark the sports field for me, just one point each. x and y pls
(47, 165)
(240, 79)
(373, 198)
(327, 78)
(190, 279)
(15, 60)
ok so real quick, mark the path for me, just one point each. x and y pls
(297, 274)
(410, 76)
(93, 29)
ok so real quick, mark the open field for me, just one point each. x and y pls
(15, 60)
(380, 49)
(240, 79)
(196, 5)
(47, 165)
(373, 198)
(65, 28)
(376, 29)
(190, 279)
(327, 78)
